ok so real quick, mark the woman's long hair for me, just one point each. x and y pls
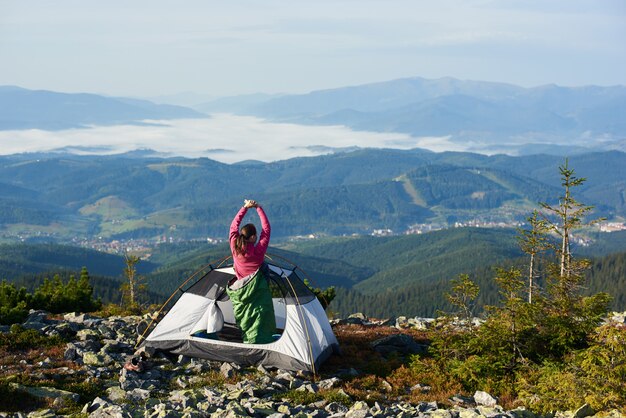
(242, 239)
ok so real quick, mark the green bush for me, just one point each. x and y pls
(299, 397)
(13, 304)
(58, 297)
(53, 296)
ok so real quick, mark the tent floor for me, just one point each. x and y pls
(229, 332)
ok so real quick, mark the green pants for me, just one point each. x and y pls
(254, 310)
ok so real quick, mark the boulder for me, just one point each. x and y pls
(44, 392)
(483, 398)
(398, 343)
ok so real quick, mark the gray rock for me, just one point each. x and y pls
(522, 413)
(37, 316)
(441, 413)
(80, 318)
(483, 398)
(63, 330)
(227, 370)
(87, 334)
(71, 352)
(402, 322)
(115, 394)
(468, 413)
(490, 411)
(463, 400)
(46, 392)
(335, 407)
(427, 406)
(421, 388)
(44, 413)
(329, 383)
(358, 410)
(584, 411)
(137, 395)
(398, 343)
(96, 359)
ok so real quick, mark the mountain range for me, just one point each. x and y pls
(481, 116)
(41, 109)
(487, 114)
(60, 196)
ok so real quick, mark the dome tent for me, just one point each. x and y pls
(201, 323)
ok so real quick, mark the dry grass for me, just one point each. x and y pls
(390, 378)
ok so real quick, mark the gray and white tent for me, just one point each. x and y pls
(304, 336)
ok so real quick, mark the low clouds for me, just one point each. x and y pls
(225, 138)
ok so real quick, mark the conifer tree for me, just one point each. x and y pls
(134, 286)
(569, 216)
(533, 242)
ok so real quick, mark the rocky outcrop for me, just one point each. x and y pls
(167, 387)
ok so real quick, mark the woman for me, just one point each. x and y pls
(250, 292)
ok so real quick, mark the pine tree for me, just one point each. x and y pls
(533, 242)
(134, 285)
(569, 214)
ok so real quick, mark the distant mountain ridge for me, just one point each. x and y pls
(486, 113)
(40, 109)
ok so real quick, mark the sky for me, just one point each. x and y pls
(188, 52)
(151, 48)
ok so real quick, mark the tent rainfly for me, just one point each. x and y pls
(201, 323)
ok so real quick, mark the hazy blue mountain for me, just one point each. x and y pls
(491, 113)
(233, 104)
(39, 109)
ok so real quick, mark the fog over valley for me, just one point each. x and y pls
(222, 137)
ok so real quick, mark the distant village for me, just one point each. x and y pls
(145, 246)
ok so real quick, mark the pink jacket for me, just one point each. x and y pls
(249, 262)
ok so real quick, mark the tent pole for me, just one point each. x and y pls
(306, 326)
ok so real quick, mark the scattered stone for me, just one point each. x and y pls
(360, 316)
(584, 411)
(44, 413)
(398, 343)
(421, 388)
(402, 322)
(522, 413)
(483, 398)
(329, 383)
(227, 370)
(168, 389)
(336, 408)
(115, 394)
(463, 400)
(46, 392)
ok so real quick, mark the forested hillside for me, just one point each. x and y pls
(426, 299)
(380, 276)
(58, 197)
(22, 259)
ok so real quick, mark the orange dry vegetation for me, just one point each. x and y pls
(388, 378)
(356, 352)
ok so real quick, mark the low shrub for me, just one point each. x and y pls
(20, 338)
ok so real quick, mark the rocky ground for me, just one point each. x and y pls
(86, 377)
